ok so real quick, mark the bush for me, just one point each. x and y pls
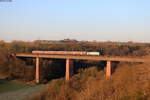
(129, 82)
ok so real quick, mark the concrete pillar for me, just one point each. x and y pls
(108, 68)
(69, 69)
(37, 72)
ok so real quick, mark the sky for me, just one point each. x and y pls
(100, 20)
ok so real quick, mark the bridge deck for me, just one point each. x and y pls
(103, 58)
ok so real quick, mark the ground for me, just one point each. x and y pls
(13, 90)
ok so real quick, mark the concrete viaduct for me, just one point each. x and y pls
(69, 62)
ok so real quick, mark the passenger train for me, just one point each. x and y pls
(67, 53)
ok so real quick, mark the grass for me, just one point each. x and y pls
(8, 86)
(14, 90)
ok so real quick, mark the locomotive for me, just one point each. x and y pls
(67, 53)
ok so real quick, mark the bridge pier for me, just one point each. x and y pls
(69, 69)
(108, 68)
(37, 72)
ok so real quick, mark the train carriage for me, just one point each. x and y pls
(67, 53)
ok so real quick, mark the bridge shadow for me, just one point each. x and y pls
(53, 69)
(3, 81)
(83, 64)
(114, 65)
(56, 68)
(100, 65)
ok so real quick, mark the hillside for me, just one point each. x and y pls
(129, 82)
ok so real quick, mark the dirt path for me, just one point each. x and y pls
(21, 94)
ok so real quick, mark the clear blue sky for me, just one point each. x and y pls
(101, 20)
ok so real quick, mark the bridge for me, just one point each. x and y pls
(69, 61)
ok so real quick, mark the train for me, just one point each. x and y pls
(67, 53)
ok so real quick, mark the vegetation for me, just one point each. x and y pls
(127, 83)
(16, 68)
